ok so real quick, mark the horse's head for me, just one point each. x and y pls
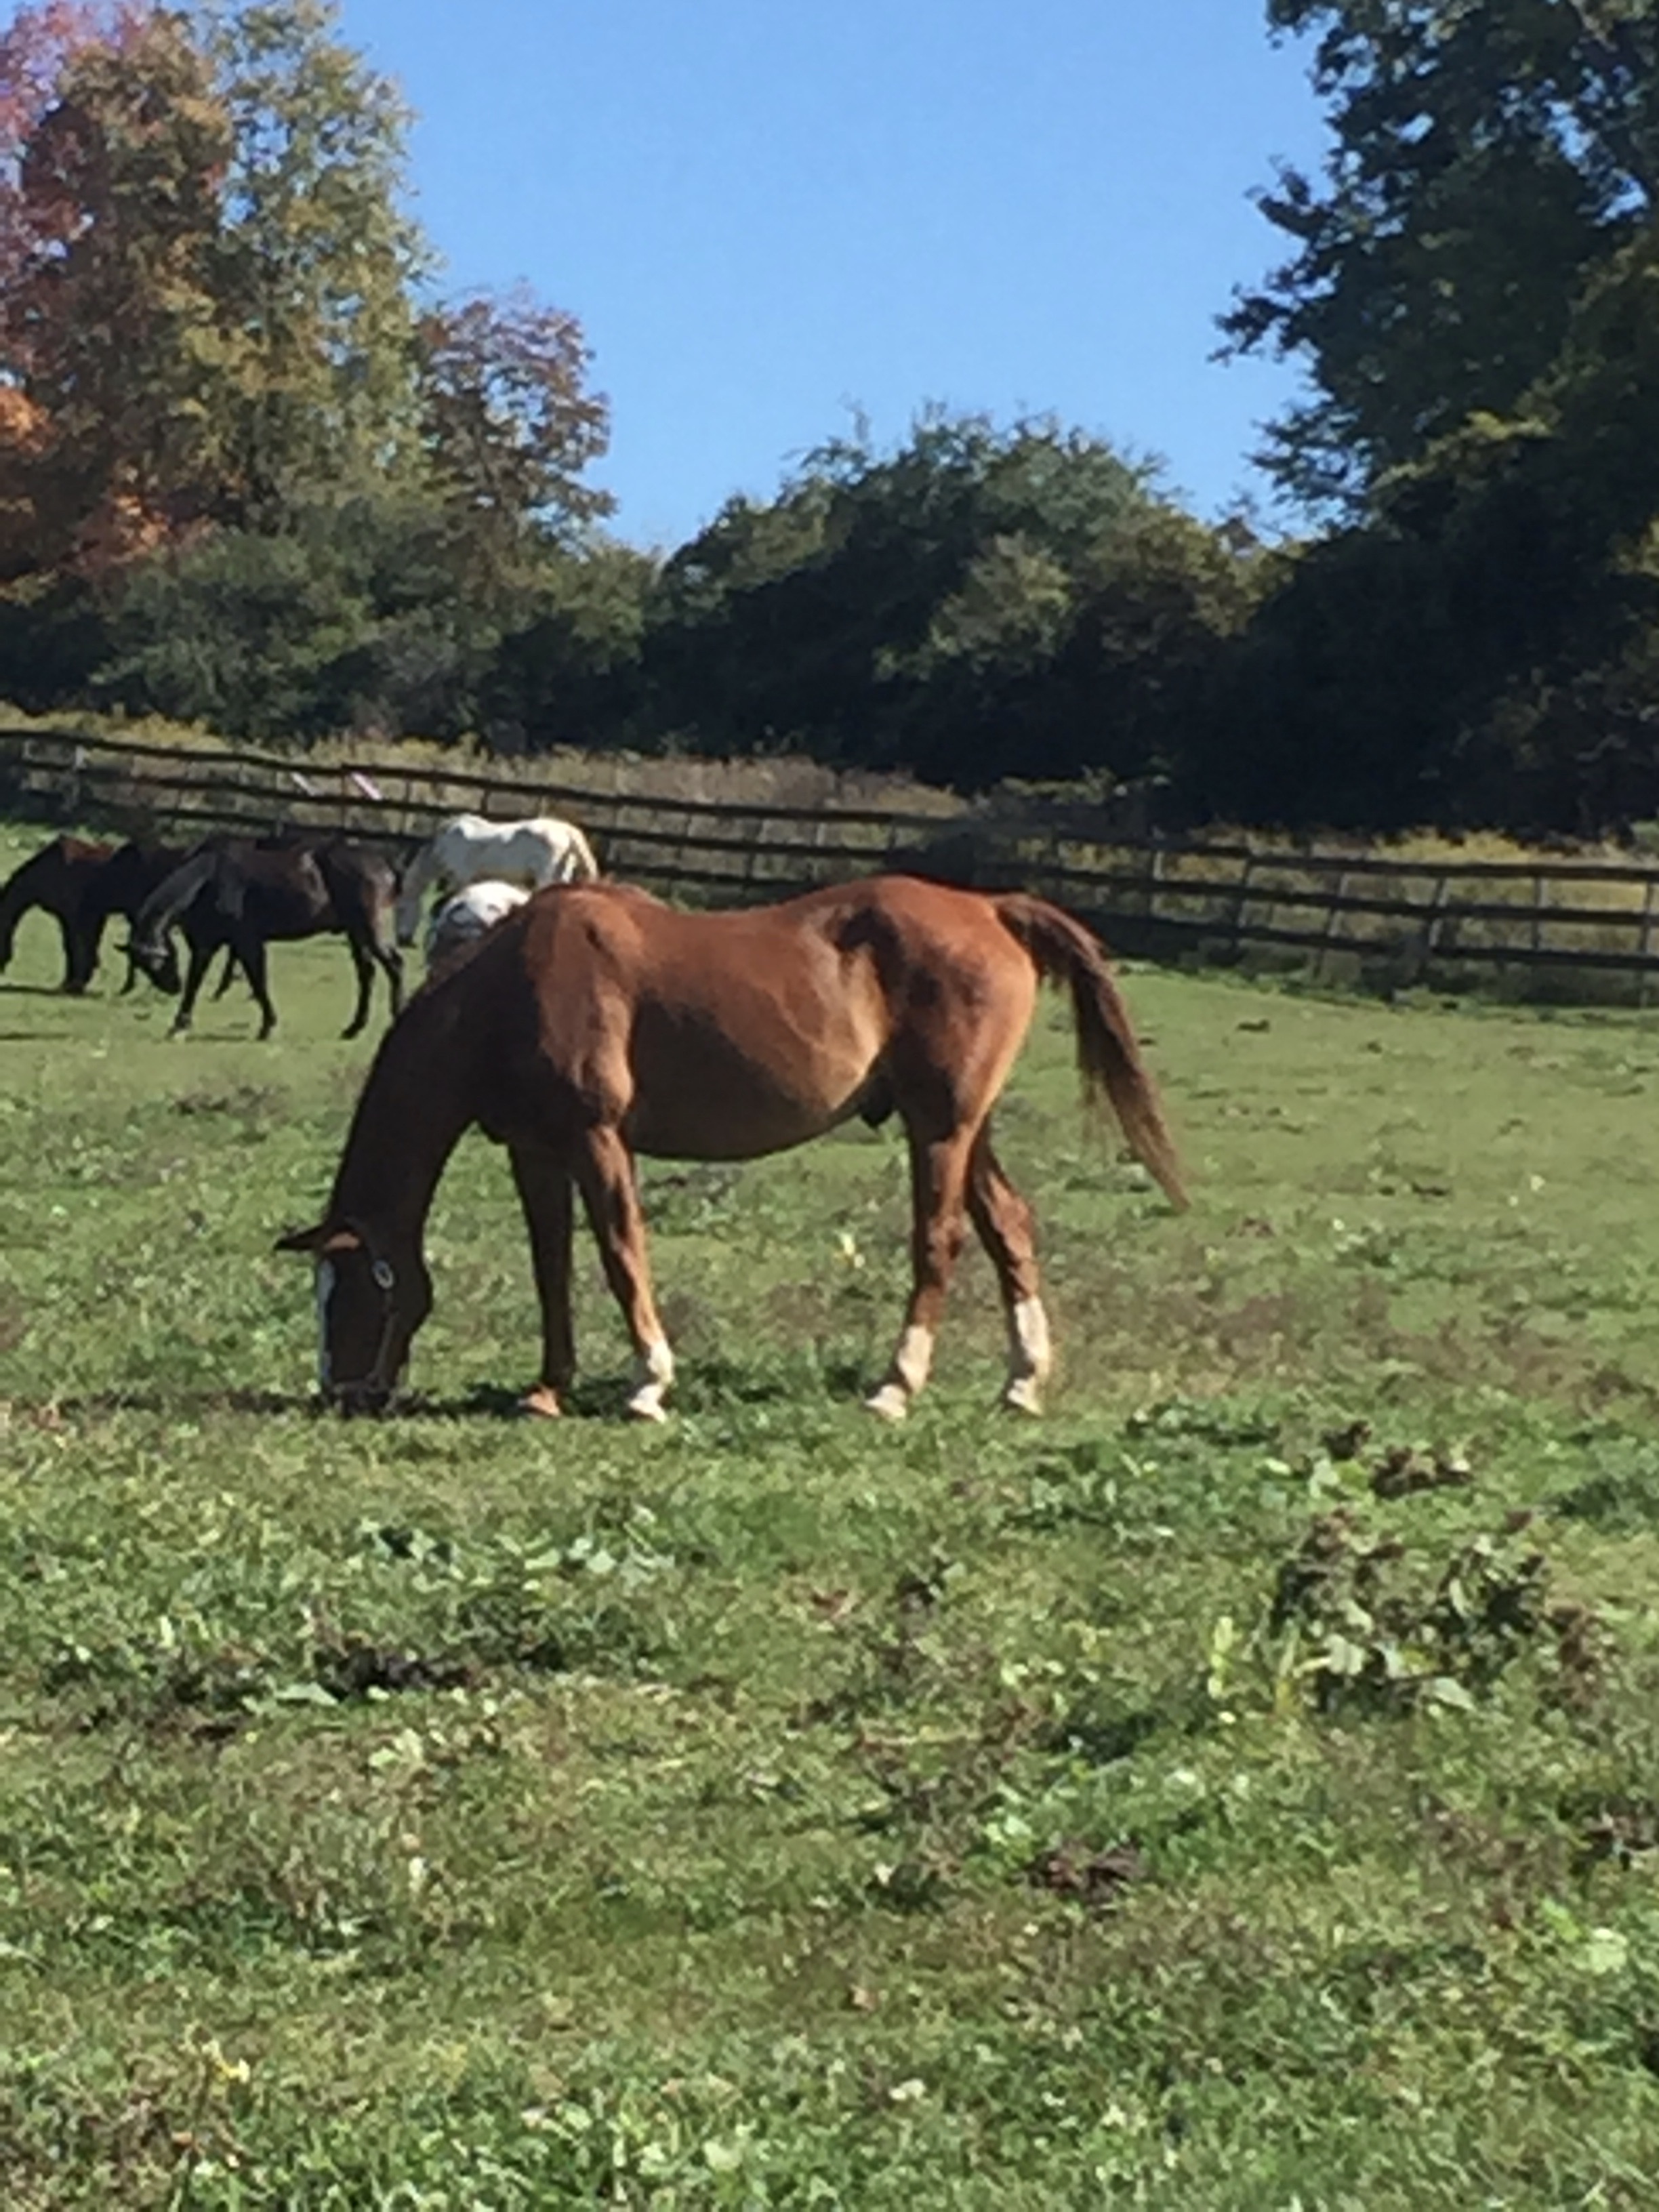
(158, 958)
(369, 1307)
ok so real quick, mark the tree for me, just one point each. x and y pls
(1490, 156)
(508, 424)
(249, 469)
(110, 331)
(977, 604)
(321, 262)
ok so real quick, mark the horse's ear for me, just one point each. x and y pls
(319, 1240)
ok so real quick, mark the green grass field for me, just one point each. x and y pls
(1187, 1801)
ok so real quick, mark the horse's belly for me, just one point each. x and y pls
(728, 1129)
(700, 1096)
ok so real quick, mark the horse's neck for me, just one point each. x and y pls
(414, 1109)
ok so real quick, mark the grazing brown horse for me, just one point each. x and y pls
(595, 1023)
(243, 896)
(60, 879)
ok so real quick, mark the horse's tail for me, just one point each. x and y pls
(170, 896)
(363, 885)
(380, 890)
(417, 874)
(1108, 1055)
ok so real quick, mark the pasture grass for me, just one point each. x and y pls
(1237, 1790)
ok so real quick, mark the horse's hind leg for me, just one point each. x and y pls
(250, 952)
(604, 1168)
(383, 949)
(365, 967)
(1003, 1220)
(938, 1177)
(227, 974)
(543, 1180)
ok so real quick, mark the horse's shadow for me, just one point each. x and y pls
(483, 1401)
(722, 1388)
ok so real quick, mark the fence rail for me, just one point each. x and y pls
(1583, 928)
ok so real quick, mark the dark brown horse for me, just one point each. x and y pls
(595, 1023)
(60, 879)
(242, 897)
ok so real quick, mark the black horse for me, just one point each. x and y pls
(241, 897)
(60, 879)
(80, 884)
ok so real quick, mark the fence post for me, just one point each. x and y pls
(1429, 944)
(1241, 900)
(1331, 914)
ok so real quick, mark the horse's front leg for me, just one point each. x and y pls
(75, 980)
(543, 1180)
(938, 1177)
(605, 1170)
(201, 957)
(89, 938)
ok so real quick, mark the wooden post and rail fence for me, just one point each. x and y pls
(1572, 929)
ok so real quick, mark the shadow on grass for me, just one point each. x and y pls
(706, 1387)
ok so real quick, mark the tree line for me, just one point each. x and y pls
(256, 469)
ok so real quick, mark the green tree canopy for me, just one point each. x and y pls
(975, 604)
(1488, 157)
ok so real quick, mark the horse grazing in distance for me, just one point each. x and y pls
(242, 897)
(597, 1023)
(81, 885)
(58, 879)
(535, 852)
(462, 921)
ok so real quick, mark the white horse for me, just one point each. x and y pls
(468, 848)
(463, 920)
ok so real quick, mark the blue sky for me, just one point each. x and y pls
(768, 213)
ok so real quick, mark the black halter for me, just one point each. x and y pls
(376, 1381)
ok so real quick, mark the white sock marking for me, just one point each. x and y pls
(912, 1361)
(1031, 1355)
(651, 1376)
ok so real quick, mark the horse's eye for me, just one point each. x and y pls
(383, 1275)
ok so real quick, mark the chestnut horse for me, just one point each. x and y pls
(595, 1023)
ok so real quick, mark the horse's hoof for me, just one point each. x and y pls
(541, 1404)
(890, 1403)
(1022, 1396)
